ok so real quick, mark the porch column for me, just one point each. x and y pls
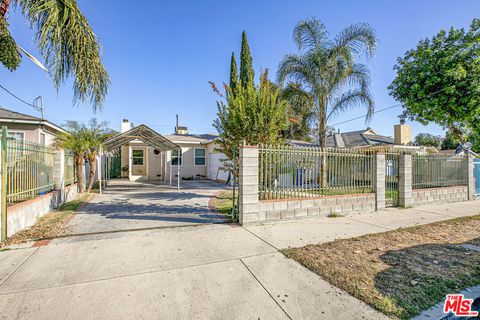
(130, 162)
(380, 181)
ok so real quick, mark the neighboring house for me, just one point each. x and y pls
(193, 155)
(29, 128)
(358, 139)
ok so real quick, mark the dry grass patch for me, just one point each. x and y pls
(401, 272)
(51, 225)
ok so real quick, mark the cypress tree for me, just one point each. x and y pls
(233, 73)
(246, 69)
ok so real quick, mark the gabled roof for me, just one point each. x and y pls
(191, 138)
(143, 133)
(11, 116)
(360, 138)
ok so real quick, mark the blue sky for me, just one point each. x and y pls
(161, 55)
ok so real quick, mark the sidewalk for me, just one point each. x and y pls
(204, 272)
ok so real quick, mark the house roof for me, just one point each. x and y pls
(143, 133)
(191, 138)
(360, 138)
(11, 116)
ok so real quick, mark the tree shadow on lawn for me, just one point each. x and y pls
(420, 276)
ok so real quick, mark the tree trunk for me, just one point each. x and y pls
(91, 176)
(4, 7)
(80, 175)
(322, 137)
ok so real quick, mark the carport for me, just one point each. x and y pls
(142, 134)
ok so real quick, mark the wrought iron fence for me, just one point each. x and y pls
(29, 170)
(70, 172)
(298, 172)
(434, 171)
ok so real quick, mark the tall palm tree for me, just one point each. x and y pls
(65, 40)
(325, 71)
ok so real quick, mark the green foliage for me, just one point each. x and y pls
(67, 43)
(449, 142)
(438, 81)
(326, 69)
(247, 74)
(255, 114)
(299, 112)
(233, 74)
(9, 55)
(427, 140)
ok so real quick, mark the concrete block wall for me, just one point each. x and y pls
(24, 214)
(422, 197)
(285, 209)
(248, 185)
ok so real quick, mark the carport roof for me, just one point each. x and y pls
(143, 133)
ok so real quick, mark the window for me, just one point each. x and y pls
(137, 157)
(176, 159)
(199, 157)
(19, 136)
(42, 139)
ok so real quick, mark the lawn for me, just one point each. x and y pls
(400, 272)
(223, 202)
(51, 225)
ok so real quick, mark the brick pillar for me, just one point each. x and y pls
(248, 206)
(59, 172)
(380, 181)
(405, 193)
(470, 179)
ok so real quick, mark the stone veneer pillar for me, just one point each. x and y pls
(405, 193)
(380, 181)
(59, 172)
(248, 205)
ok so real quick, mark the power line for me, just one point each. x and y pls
(18, 98)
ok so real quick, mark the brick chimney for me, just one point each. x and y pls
(402, 134)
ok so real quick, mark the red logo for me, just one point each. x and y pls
(459, 306)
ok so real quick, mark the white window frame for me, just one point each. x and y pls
(181, 157)
(15, 132)
(204, 157)
(40, 138)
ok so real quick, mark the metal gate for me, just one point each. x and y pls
(476, 175)
(391, 179)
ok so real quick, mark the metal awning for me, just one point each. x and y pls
(143, 133)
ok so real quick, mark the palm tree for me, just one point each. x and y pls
(75, 141)
(95, 134)
(325, 72)
(65, 40)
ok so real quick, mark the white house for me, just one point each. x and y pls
(147, 155)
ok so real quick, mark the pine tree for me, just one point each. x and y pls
(246, 69)
(233, 73)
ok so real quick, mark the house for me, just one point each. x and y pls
(29, 128)
(144, 154)
(358, 139)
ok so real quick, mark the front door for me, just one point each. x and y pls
(139, 166)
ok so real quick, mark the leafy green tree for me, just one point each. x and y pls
(299, 112)
(67, 43)
(255, 114)
(95, 133)
(233, 73)
(438, 80)
(247, 74)
(449, 142)
(428, 140)
(326, 69)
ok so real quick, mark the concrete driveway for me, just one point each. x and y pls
(126, 205)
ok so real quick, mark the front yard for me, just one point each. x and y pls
(401, 272)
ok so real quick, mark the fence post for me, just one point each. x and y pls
(3, 185)
(405, 193)
(470, 179)
(59, 173)
(248, 205)
(380, 181)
